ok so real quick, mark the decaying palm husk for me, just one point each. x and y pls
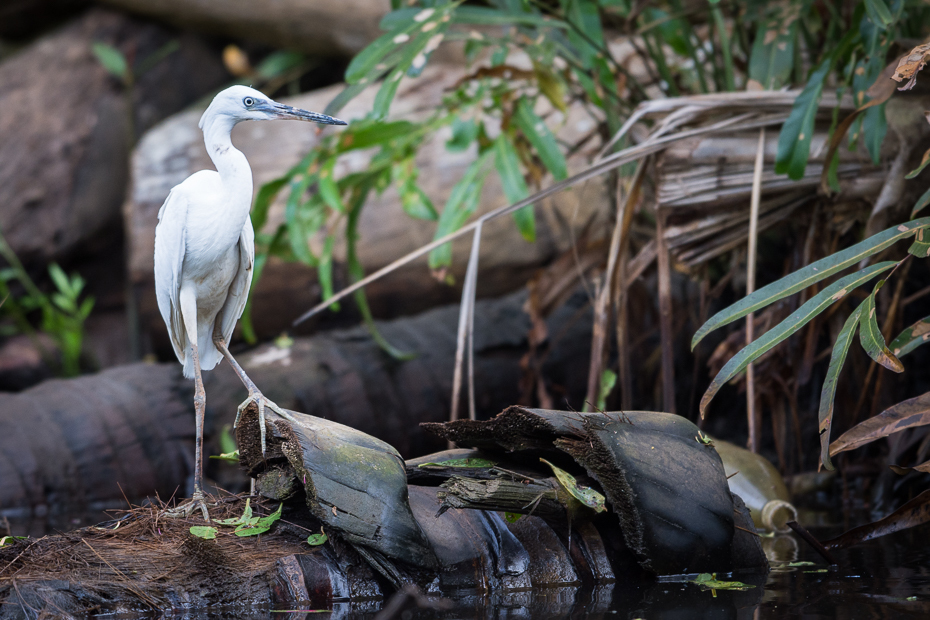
(384, 533)
(704, 182)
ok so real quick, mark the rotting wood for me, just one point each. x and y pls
(651, 466)
(128, 431)
(145, 561)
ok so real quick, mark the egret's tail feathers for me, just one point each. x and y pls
(210, 356)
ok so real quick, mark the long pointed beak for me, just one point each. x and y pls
(279, 110)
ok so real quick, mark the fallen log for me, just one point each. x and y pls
(67, 132)
(322, 27)
(345, 484)
(67, 445)
(667, 487)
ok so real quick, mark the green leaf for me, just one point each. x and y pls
(469, 462)
(398, 18)
(60, 279)
(227, 441)
(112, 60)
(464, 132)
(508, 167)
(828, 392)
(364, 63)
(922, 202)
(266, 195)
(874, 128)
(386, 94)
(921, 246)
(203, 531)
(347, 94)
(772, 57)
(709, 581)
(923, 164)
(485, 16)
(608, 381)
(815, 272)
(9, 540)
(462, 202)
(878, 12)
(245, 517)
(315, 540)
(278, 63)
(586, 495)
(911, 338)
(870, 336)
(328, 188)
(587, 35)
(541, 138)
(369, 133)
(512, 517)
(259, 526)
(417, 204)
(800, 317)
(794, 141)
(325, 270)
(228, 457)
(398, 49)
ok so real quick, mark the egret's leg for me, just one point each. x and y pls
(255, 395)
(189, 315)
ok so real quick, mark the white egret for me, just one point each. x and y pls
(204, 254)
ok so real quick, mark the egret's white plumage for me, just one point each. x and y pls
(205, 250)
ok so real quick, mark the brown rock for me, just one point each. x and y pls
(66, 131)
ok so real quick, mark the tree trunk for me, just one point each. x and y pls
(322, 27)
(72, 444)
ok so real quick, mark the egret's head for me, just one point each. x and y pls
(241, 103)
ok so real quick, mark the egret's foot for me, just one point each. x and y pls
(186, 509)
(261, 402)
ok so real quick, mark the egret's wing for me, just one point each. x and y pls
(239, 289)
(169, 259)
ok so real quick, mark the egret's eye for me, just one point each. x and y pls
(249, 102)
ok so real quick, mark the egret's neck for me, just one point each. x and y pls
(229, 161)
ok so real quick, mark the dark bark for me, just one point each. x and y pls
(666, 487)
(70, 444)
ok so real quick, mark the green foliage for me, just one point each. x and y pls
(708, 581)
(586, 495)
(62, 313)
(315, 540)
(203, 531)
(507, 115)
(864, 318)
(837, 359)
(247, 525)
(607, 384)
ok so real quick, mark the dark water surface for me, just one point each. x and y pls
(884, 578)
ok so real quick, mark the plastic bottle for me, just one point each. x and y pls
(760, 485)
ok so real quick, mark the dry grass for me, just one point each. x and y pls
(146, 558)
